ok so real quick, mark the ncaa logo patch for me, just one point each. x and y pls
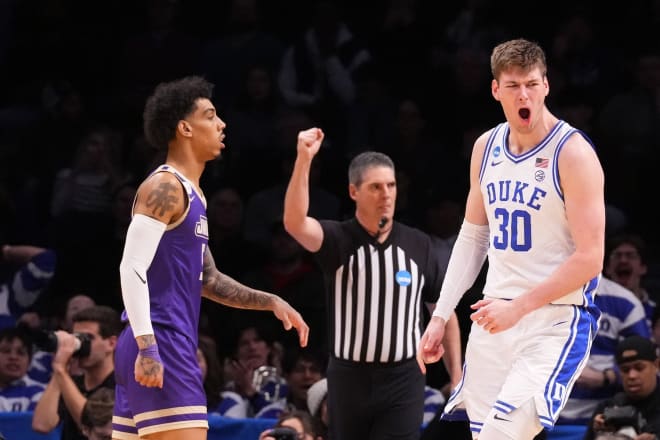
(403, 278)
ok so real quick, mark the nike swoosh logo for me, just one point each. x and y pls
(497, 417)
(559, 323)
(494, 164)
(138, 275)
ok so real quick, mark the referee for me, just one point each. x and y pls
(378, 272)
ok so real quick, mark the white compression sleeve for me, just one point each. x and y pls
(467, 258)
(142, 239)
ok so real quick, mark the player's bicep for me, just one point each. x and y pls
(161, 197)
(582, 182)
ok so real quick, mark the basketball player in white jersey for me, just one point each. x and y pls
(536, 208)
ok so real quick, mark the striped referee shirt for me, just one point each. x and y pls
(375, 290)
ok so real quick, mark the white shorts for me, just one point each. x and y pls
(538, 359)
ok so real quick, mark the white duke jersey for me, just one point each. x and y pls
(529, 235)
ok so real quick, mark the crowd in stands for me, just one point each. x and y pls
(409, 78)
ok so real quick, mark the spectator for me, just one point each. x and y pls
(65, 395)
(317, 403)
(31, 268)
(302, 368)
(17, 391)
(625, 264)
(319, 70)
(96, 418)
(290, 272)
(255, 348)
(75, 304)
(637, 359)
(224, 403)
(299, 421)
(622, 315)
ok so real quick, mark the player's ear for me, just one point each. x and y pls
(494, 89)
(184, 128)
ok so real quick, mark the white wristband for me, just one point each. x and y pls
(467, 258)
(142, 239)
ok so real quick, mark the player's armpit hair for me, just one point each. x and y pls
(142, 239)
(467, 258)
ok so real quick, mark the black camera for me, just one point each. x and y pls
(283, 433)
(623, 416)
(47, 341)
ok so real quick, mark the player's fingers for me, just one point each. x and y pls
(286, 322)
(303, 335)
(420, 361)
(481, 303)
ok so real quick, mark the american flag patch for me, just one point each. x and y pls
(541, 162)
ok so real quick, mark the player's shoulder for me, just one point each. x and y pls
(576, 141)
(483, 139)
(160, 180)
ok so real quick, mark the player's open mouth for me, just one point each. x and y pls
(524, 113)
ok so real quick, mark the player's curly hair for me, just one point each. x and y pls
(171, 102)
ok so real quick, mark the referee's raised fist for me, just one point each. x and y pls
(309, 141)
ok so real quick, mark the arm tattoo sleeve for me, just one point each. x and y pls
(225, 290)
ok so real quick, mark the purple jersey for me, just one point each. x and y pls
(175, 285)
(175, 274)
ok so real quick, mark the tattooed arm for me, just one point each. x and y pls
(160, 201)
(223, 289)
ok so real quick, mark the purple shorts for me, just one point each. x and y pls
(181, 403)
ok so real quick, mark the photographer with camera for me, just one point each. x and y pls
(293, 425)
(93, 343)
(635, 412)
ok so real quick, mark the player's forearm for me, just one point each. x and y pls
(225, 290)
(574, 273)
(467, 258)
(142, 240)
(296, 199)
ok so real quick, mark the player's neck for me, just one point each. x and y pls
(191, 170)
(520, 142)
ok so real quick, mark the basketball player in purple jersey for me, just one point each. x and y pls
(167, 267)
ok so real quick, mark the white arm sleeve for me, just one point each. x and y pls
(142, 239)
(467, 257)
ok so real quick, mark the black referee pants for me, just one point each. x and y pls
(375, 401)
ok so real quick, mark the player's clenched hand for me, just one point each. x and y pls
(291, 318)
(430, 346)
(149, 367)
(495, 315)
(309, 142)
(149, 372)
